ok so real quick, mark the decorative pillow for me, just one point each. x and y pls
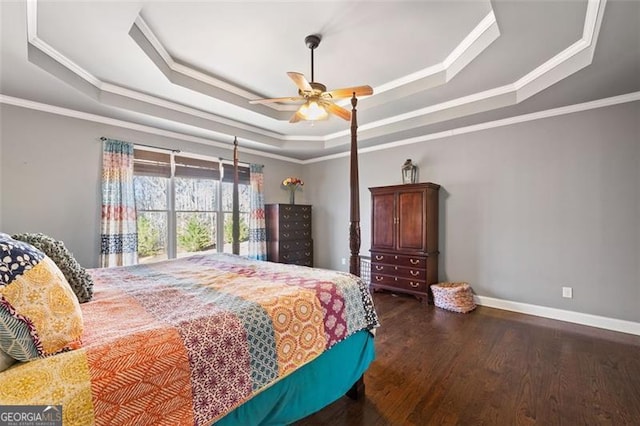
(5, 361)
(80, 281)
(39, 313)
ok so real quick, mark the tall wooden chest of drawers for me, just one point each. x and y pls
(404, 238)
(289, 233)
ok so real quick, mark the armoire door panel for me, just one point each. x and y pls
(411, 223)
(384, 222)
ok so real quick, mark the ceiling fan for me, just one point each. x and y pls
(317, 103)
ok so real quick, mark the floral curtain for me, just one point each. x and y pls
(118, 238)
(257, 231)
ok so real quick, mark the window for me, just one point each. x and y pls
(184, 205)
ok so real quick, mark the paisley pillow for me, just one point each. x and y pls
(79, 279)
(39, 313)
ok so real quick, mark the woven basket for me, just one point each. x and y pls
(456, 297)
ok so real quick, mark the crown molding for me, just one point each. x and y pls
(539, 115)
(555, 112)
(482, 35)
(190, 78)
(81, 115)
(485, 33)
(210, 79)
(567, 62)
(53, 61)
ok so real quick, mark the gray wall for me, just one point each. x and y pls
(525, 209)
(50, 173)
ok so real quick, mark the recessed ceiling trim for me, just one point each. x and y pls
(570, 109)
(539, 115)
(54, 62)
(81, 115)
(190, 78)
(47, 49)
(593, 20)
(142, 25)
(455, 108)
(485, 33)
(567, 62)
(468, 49)
(562, 65)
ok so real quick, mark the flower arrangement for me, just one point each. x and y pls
(292, 181)
(292, 184)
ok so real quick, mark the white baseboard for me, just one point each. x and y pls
(560, 314)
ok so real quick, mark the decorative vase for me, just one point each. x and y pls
(292, 196)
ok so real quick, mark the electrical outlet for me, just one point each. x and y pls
(567, 292)
(344, 260)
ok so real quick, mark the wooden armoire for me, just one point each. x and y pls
(404, 238)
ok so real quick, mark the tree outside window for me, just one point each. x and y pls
(187, 211)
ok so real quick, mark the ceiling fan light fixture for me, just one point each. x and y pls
(318, 103)
(313, 111)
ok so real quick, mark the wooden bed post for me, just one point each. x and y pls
(358, 389)
(354, 227)
(235, 216)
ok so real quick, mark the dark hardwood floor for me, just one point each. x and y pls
(491, 367)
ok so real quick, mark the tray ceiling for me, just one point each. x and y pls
(193, 67)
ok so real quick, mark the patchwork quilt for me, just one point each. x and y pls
(186, 341)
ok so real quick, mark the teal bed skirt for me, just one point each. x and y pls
(310, 388)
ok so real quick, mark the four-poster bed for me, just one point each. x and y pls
(209, 339)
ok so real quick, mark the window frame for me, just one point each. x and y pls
(197, 170)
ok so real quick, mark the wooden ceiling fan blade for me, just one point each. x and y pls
(337, 110)
(285, 99)
(347, 92)
(300, 81)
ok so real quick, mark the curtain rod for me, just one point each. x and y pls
(103, 138)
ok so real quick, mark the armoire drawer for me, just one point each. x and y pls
(398, 283)
(399, 259)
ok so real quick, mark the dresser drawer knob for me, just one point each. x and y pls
(379, 268)
(286, 235)
(414, 261)
(379, 278)
(286, 246)
(414, 273)
(379, 257)
(414, 285)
